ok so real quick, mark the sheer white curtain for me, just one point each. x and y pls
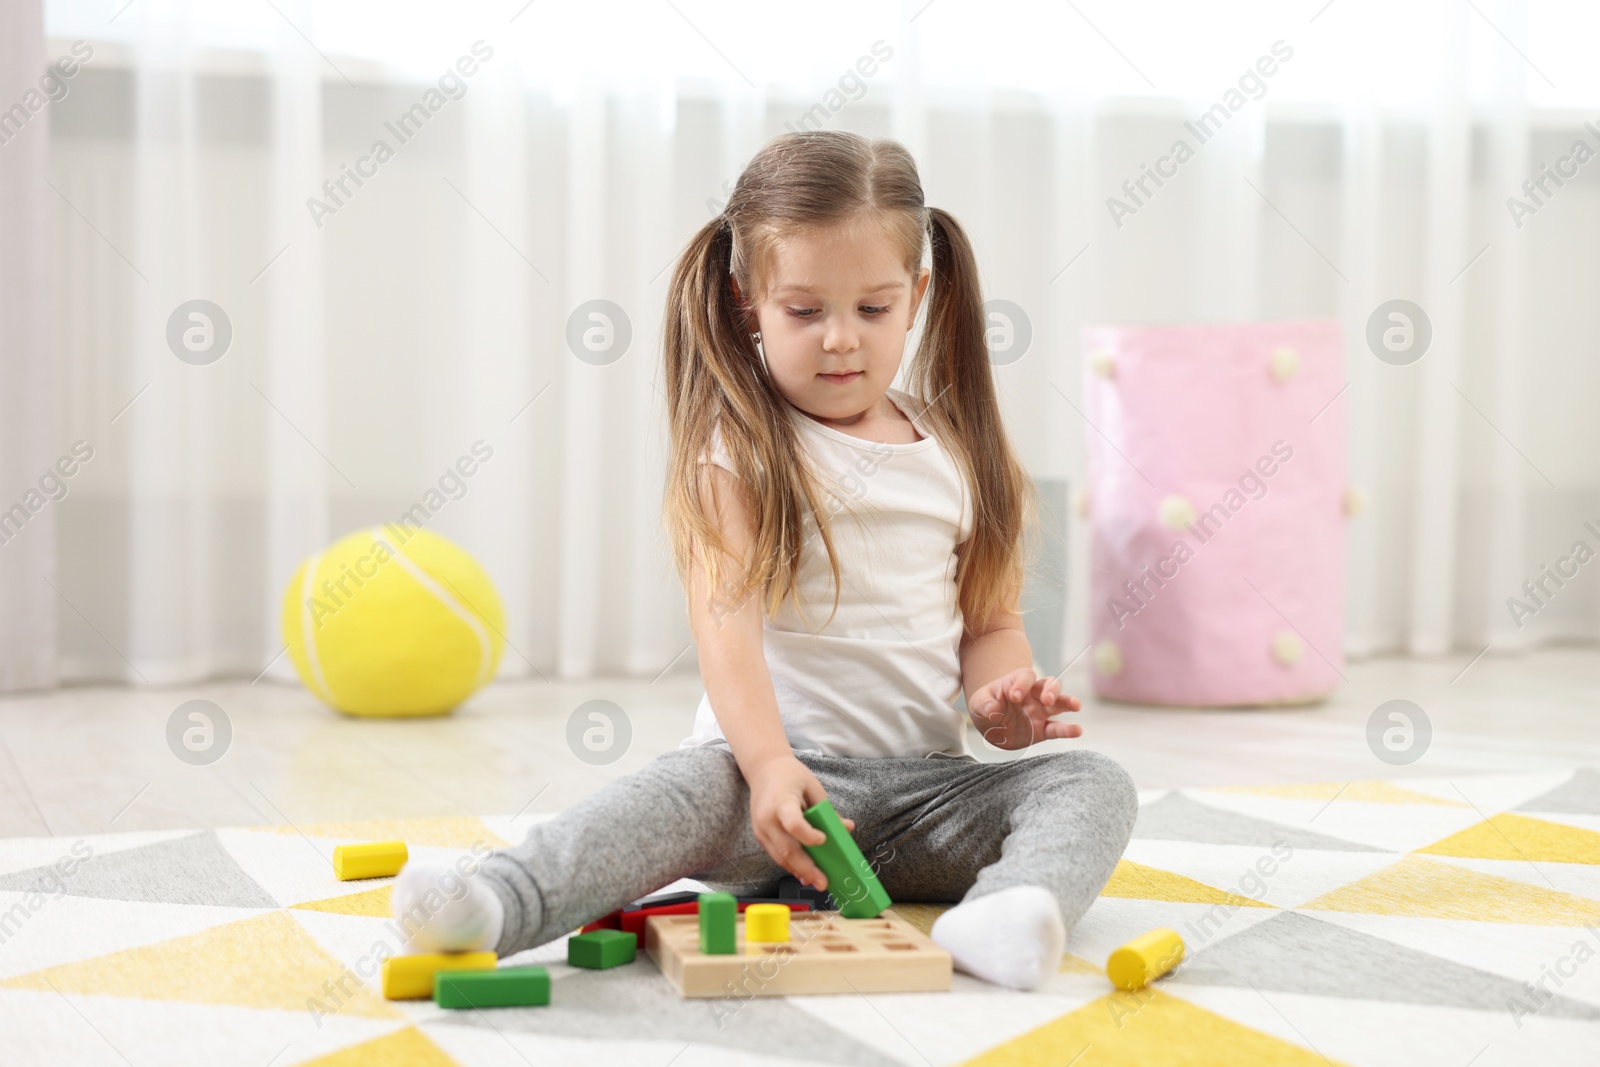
(28, 439)
(430, 309)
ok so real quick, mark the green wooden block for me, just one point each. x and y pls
(851, 882)
(602, 948)
(719, 917)
(501, 988)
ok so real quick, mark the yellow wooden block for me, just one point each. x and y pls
(1144, 959)
(766, 922)
(411, 977)
(370, 859)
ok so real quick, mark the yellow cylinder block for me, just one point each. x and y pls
(1145, 958)
(766, 922)
(370, 859)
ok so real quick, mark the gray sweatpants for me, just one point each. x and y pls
(937, 829)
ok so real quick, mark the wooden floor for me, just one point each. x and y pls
(96, 760)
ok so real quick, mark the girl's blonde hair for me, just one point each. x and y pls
(715, 375)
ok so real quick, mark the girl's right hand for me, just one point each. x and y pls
(780, 791)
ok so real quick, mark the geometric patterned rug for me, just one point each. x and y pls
(1423, 921)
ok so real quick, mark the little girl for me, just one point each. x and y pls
(786, 322)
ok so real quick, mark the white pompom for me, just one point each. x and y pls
(1287, 648)
(1285, 363)
(1176, 512)
(1108, 658)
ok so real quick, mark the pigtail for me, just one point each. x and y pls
(715, 377)
(952, 372)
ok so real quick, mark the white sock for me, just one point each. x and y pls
(471, 922)
(1013, 937)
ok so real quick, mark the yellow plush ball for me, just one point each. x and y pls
(393, 620)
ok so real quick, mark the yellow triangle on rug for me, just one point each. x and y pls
(1519, 837)
(267, 961)
(1425, 888)
(372, 902)
(1144, 1028)
(403, 1048)
(1135, 881)
(1375, 791)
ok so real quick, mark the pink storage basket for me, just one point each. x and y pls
(1216, 505)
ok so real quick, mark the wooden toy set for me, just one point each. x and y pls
(715, 945)
(819, 952)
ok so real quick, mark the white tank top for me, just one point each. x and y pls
(882, 678)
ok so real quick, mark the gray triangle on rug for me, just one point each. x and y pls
(193, 869)
(1176, 817)
(1295, 953)
(1578, 795)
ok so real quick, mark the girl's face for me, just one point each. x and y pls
(834, 323)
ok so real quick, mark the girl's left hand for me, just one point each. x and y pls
(1014, 710)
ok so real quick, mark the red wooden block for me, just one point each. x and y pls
(633, 922)
(605, 922)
